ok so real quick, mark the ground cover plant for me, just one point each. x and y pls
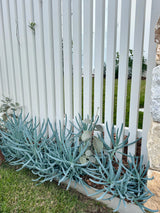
(7, 107)
(69, 155)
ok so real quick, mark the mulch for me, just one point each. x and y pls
(1, 157)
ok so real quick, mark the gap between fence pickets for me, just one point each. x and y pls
(131, 208)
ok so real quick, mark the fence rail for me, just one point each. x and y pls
(41, 49)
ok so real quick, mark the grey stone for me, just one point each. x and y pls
(153, 145)
(157, 32)
(155, 94)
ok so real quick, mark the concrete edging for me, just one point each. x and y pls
(130, 208)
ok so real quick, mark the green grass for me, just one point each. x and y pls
(19, 194)
(141, 102)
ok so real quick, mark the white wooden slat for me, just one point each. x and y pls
(67, 53)
(151, 64)
(87, 58)
(57, 38)
(49, 63)
(77, 56)
(99, 56)
(136, 72)
(31, 57)
(123, 62)
(4, 66)
(24, 57)
(37, 8)
(16, 52)
(9, 50)
(110, 63)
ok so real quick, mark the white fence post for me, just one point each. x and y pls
(32, 57)
(99, 57)
(123, 62)
(87, 58)
(77, 56)
(67, 57)
(16, 54)
(57, 38)
(136, 72)
(3, 60)
(49, 59)
(37, 9)
(110, 64)
(24, 56)
(9, 48)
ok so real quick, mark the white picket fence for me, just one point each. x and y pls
(41, 49)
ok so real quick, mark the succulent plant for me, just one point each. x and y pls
(62, 155)
(7, 109)
(116, 141)
(85, 131)
(113, 180)
(12, 138)
(137, 190)
(69, 156)
(127, 183)
(23, 141)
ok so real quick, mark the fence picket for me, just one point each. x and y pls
(87, 57)
(4, 66)
(99, 57)
(49, 59)
(110, 63)
(9, 49)
(31, 57)
(24, 56)
(37, 8)
(67, 53)
(123, 62)
(77, 57)
(136, 72)
(16, 53)
(57, 38)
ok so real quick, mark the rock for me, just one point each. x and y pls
(157, 32)
(153, 145)
(155, 94)
(153, 185)
(87, 135)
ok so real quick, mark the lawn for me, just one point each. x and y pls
(141, 101)
(19, 194)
